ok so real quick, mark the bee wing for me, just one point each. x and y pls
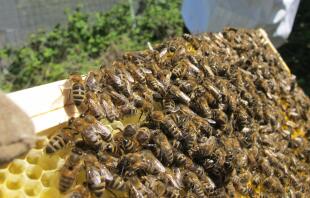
(93, 175)
(129, 77)
(211, 121)
(102, 130)
(150, 158)
(174, 181)
(178, 177)
(106, 173)
(163, 52)
(145, 70)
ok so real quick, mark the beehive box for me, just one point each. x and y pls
(36, 174)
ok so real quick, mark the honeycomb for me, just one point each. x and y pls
(36, 174)
(225, 115)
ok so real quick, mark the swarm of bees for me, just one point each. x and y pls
(219, 116)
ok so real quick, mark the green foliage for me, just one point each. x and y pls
(50, 56)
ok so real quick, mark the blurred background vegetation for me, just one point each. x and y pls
(86, 42)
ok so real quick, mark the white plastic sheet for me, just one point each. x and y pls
(275, 16)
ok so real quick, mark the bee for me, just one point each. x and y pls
(265, 167)
(77, 89)
(207, 147)
(190, 194)
(179, 158)
(67, 177)
(117, 183)
(207, 69)
(192, 182)
(129, 131)
(146, 103)
(74, 158)
(257, 179)
(94, 106)
(92, 82)
(90, 135)
(192, 40)
(127, 88)
(241, 186)
(169, 106)
(143, 136)
(128, 109)
(138, 190)
(273, 185)
(103, 131)
(272, 157)
(60, 140)
(219, 117)
(187, 86)
(171, 128)
(166, 122)
(118, 98)
(200, 91)
(109, 108)
(113, 149)
(160, 188)
(242, 117)
(176, 144)
(113, 77)
(204, 126)
(180, 70)
(154, 184)
(166, 151)
(130, 145)
(79, 191)
(149, 164)
(201, 106)
(139, 73)
(179, 95)
(96, 175)
(154, 84)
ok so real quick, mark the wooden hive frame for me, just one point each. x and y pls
(47, 105)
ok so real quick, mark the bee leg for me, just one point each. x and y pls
(141, 115)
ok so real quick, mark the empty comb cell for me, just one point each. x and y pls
(3, 176)
(49, 162)
(50, 193)
(116, 124)
(34, 156)
(40, 144)
(13, 194)
(34, 172)
(15, 182)
(50, 178)
(32, 188)
(17, 166)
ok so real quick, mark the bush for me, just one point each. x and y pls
(50, 56)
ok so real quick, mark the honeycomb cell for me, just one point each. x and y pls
(116, 124)
(41, 142)
(33, 156)
(33, 188)
(2, 176)
(2, 193)
(17, 166)
(49, 162)
(6, 193)
(15, 182)
(34, 172)
(50, 193)
(49, 179)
